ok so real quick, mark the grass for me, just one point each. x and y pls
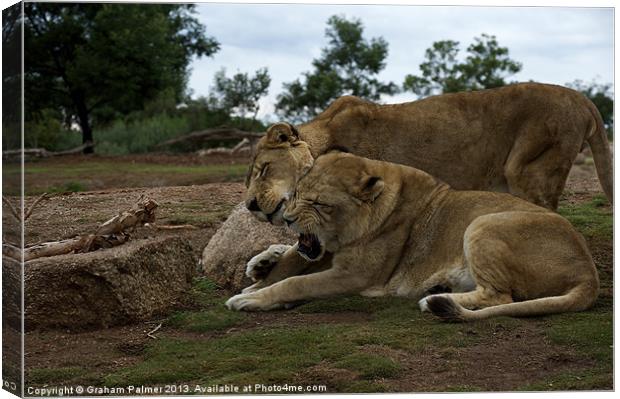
(370, 366)
(43, 375)
(211, 317)
(72, 187)
(592, 219)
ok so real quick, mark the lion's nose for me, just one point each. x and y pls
(253, 205)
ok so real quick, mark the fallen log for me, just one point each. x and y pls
(212, 134)
(43, 153)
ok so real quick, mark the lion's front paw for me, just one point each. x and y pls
(423, 304)
(249, 302)
(259, 266)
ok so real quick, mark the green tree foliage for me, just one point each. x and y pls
(601, 95)
(95, 62)
(11, 77)
(348, 65)
(240, 94)
(487, 65)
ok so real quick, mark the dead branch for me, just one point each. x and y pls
(12, 209)
(212, 134)
(109, 234)
(150, 333)
(170, 226)
(28, 211)
(11, 251)
(43, 153)
(35, 203)
(143, 212)
(242, 144)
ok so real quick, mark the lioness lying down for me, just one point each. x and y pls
(389, 229)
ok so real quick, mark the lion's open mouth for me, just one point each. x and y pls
(309, 245)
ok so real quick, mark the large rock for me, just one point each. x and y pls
(240, 238)
(132, 282)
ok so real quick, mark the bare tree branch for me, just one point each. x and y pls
(212, 134)
(12, 209)
(43, 153)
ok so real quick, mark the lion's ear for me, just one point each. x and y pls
(282, 132)
(370, 188)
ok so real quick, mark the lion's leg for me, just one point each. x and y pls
(489, 262)
(333, 281)
(261, 265)
(282, 266)
(537, 168)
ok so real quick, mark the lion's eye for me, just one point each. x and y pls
(262, 170)
(322, 207)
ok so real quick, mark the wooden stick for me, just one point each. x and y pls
(31, 207)
(13, 211)
(170, 226)
(150, 333)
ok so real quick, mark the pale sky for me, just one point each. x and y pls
(554, 44)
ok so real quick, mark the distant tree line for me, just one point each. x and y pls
(90, 65)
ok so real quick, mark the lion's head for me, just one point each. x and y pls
(280, 161)
(334, 204)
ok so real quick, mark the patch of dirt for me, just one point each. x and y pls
(582, 184)
(508, 359)
(104, 350)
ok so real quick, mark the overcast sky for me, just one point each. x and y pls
(554, 44)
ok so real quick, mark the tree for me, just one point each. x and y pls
(240, 94)
(601, 95)
(348, 65)
(98, 61)
(11, 77)
(486, 66)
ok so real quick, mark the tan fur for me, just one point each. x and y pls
(395, 230)
(522, 139)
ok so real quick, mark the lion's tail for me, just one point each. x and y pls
(601, 153)
(579, 298)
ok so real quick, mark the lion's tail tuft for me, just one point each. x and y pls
(445, 308)
(577, 299)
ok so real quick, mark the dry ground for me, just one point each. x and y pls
(348, 344)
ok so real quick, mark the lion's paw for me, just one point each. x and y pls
(259, 266)
(423, 304)
(249, 302)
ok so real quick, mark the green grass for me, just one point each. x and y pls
(44, 375)
(212, 316)
(370, 366)
(592, 219)
(72, 186)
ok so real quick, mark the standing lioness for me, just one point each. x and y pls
(395, 230)
(521, 139)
